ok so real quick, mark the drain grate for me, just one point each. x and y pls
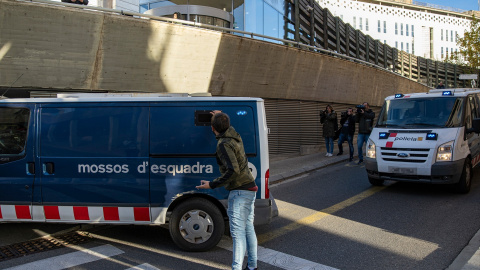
(42, 244)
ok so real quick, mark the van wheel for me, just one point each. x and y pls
(463, 186)
(196, 225)
(375, 182)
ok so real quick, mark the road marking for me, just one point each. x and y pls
(72, 259)
(318, 215)
(279, 259)
(144, 266)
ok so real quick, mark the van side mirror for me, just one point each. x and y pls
(475, 126)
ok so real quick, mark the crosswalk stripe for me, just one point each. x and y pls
(280, 259)
(144, 266)
(71, 259)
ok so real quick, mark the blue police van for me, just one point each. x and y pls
(126, 159)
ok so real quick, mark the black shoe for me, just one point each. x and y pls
(360, 162)
(246, 268)
(350, 159)
(340, 153)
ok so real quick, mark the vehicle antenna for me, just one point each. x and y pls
(3, 95)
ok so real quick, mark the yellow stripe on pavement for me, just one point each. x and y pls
(318, 215)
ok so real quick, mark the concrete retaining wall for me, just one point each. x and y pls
(64, 48)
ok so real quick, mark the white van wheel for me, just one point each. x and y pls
(463, 186)
(196, 225)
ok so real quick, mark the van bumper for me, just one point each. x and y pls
(448, 172)
(265, 210)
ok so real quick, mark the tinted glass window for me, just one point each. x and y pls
(13, 130)
(176, 131)
(422, 112)
(94, 132)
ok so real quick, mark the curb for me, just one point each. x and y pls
(292, 173)
(469, 257)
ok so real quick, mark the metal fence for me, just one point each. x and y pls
(315, 26)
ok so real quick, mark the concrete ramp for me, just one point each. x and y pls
(57, 48)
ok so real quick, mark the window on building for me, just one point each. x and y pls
(361, 23)
(366, 24)
(406, 30)
(396, 44)
(401, 44)
(413, 48)
(441, 34)
(354, 22)
(143, 8)
(446, 35)
(413, 32)
(451, 35)
(431, 43)
(456, 36)
(385, 27)
(441, 50)
(396, 28)
(401, 29)
(379, 27)
(408, 49)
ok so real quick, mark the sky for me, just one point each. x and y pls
(461, 4)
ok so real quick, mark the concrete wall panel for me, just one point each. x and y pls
(65, 48)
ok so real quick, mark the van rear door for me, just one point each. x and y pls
(17, 167)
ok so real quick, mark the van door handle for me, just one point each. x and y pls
(31, 168)
(48, 168)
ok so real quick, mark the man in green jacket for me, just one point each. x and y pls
(236, 178)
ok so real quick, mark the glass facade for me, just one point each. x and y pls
(265, 17)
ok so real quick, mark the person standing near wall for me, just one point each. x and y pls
(328, 118)
(364, 118)
(347, 121)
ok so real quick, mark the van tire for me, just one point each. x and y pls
(196, 225)
(375, 182)
(463, 186)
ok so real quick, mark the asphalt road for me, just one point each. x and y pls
(329, 219)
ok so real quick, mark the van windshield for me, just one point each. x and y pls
(436, 112)
(13, 130)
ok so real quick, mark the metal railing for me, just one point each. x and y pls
(252, 35)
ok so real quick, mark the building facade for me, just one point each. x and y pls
(413, 27)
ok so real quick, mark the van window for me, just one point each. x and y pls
(471, 113)
(13, 130)
(203, 118)
(177, 130)
(422, 112)
(94, 132)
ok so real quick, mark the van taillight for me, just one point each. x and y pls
(267, 189)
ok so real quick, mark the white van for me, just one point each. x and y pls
(427, 138)
(126, 159)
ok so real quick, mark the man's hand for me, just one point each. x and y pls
(204, 185)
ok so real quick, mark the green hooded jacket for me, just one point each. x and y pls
(233, 162)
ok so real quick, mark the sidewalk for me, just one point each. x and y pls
(283, 167)
(286, 166)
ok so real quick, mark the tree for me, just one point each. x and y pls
(469, 48)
